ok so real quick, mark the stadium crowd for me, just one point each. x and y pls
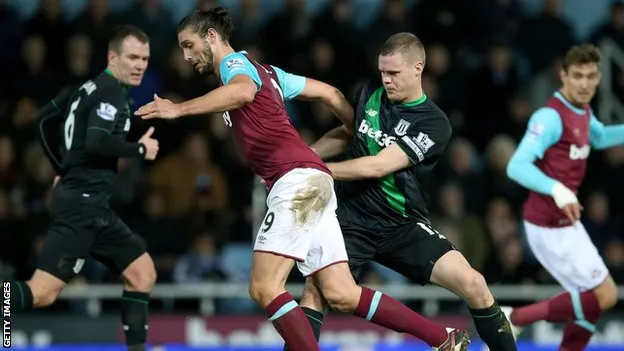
(489, 65)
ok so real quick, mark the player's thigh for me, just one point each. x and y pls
(295, 204)
(66, 244)
(327, 246)
(116, 246)
(568, 254)
(361, 246)
(413, 251)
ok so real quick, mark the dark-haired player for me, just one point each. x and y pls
(399, 137)
(83, 133)
(300, 225)
(551, 161)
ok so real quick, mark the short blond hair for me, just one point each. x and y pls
(406, 44)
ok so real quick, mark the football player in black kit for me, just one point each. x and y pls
(393, 145)
(83, 133)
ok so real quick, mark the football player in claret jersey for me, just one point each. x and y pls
(300, 225)
(550, 162)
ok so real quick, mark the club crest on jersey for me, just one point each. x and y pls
(401, 128)
(106, 111)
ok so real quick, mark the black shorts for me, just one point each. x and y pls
(82, 226)
(411, 249)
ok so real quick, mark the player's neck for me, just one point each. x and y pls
(415, 96)
(112, 73)
(220, 54)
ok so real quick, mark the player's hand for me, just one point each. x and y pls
(151, 145)
(159, 108)
(573, 212)
(566, 200)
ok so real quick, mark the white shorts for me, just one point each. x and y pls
(301, 221)
(568, 254)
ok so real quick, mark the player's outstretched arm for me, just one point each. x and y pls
(388, 160)
(238, 92)
(604, 137)
(425, 140)
(100, 138)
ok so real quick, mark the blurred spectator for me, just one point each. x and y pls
(189, 172)
(200, 265)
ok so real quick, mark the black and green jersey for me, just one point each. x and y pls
(421, 130)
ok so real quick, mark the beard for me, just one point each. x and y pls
(206, 60)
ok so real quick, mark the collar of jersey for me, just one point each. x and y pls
(574, 109)
(415, 102)
(124, 86)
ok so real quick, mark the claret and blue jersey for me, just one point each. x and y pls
(555, 148)
(544, 130)
(263, 128)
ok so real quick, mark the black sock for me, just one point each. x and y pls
(21, 296)
(134, 319)
(316, 321)
(493, 328)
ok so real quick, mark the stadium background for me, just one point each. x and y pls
(490, 63)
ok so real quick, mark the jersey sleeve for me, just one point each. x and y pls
(544, 130)
(49, 120)
(102, 119)
(602, 136)
(291, 84)
(423, 140)
(110, 104)
(235, 64)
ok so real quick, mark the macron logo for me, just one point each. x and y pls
(579, 153)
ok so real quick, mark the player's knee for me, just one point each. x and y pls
(606, 294)
(140, 275)
(475, 290)
(263, 291)
(43, 294)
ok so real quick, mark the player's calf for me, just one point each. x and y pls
(454, 273)
(139, 278)
(40, 291)
(343, 294)
(268, 278)
(606, 293)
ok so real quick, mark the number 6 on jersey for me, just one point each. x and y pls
(68, 130)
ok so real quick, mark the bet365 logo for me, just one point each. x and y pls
(381, 138)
